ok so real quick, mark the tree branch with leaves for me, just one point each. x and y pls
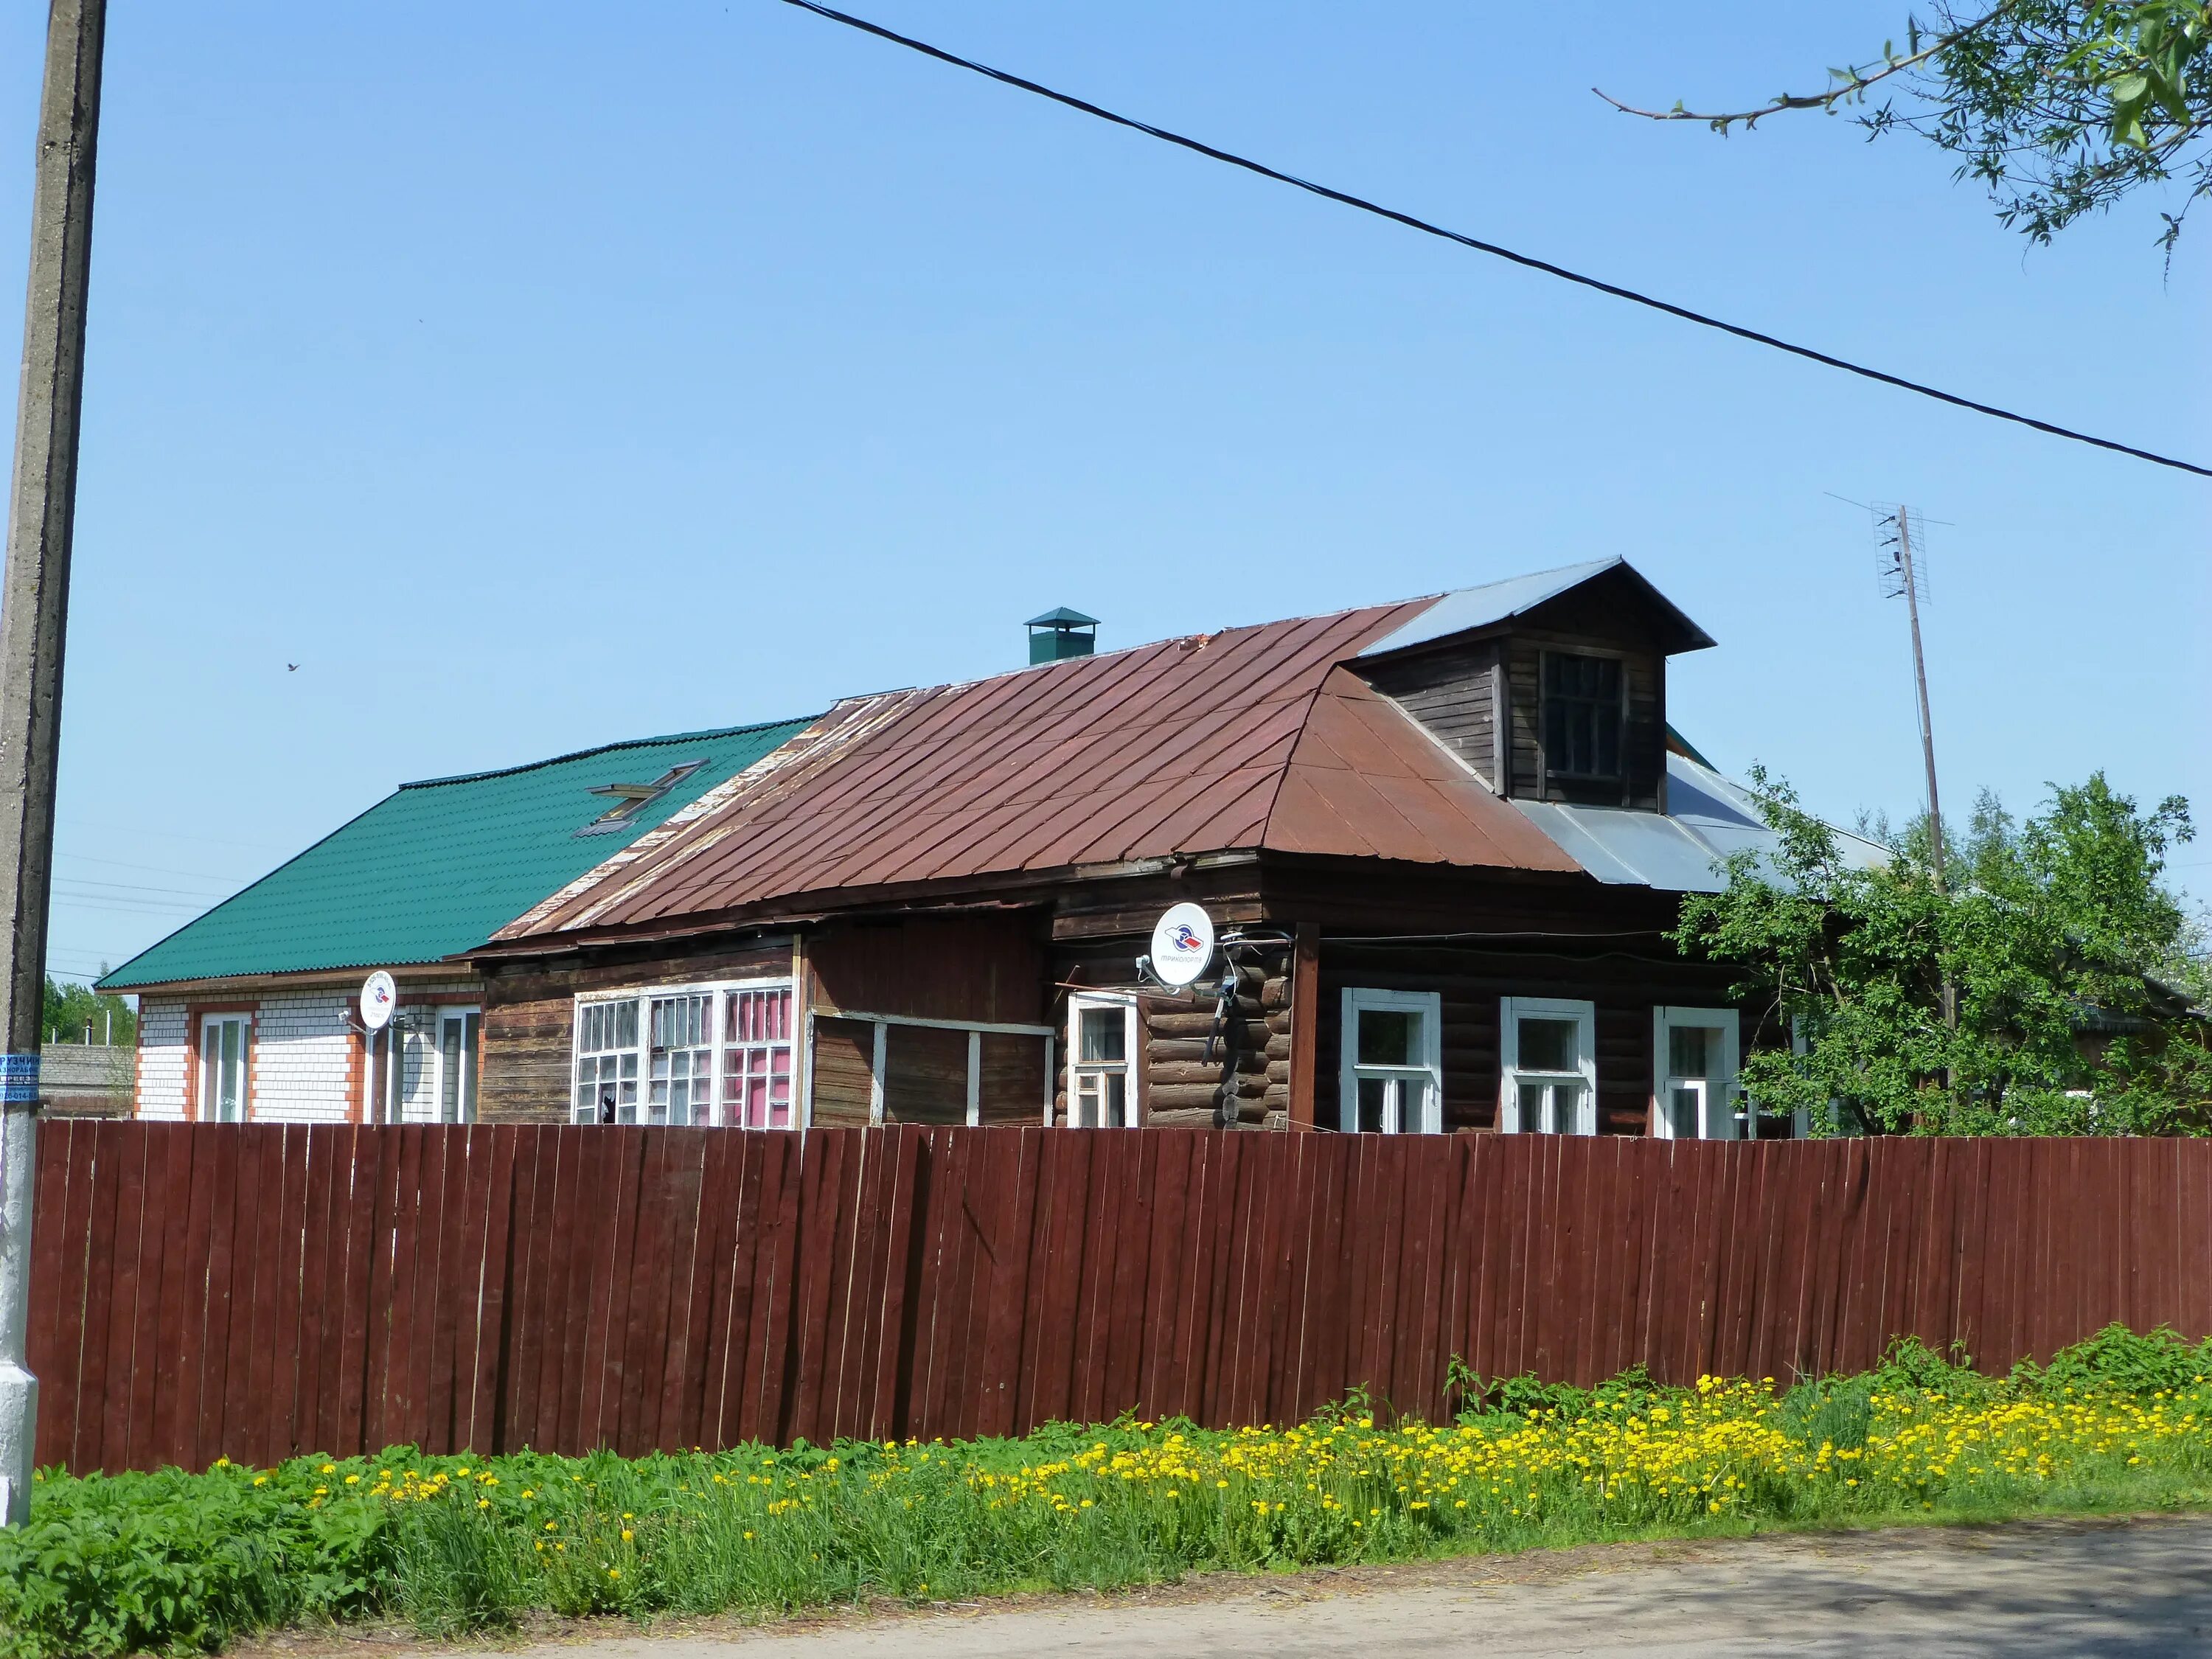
(2059, 107)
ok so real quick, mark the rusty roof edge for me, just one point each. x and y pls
(997, 889)
(838, 733)
(784, 755)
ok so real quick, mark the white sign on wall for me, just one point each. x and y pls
(1182, 944)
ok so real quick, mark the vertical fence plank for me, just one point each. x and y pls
(61, 1202)
(129, 1248)
(81, 1451)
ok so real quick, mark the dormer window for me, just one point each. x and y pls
(1583, 715)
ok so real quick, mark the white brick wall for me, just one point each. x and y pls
(302, 1054)
(163, 1051)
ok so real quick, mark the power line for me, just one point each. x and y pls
(1492, 249)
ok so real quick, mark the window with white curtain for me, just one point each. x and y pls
(226, 1066)
(1548, 1046)
(1390, 1078)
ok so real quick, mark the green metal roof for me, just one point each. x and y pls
(440, 866)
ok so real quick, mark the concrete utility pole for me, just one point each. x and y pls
(34, 619)
(1920, 682)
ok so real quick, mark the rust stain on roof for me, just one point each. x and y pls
(1365, 781)
(1249, 738)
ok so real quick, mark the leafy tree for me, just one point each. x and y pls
(2070, 963)
(70, 1008)
(2059, 107)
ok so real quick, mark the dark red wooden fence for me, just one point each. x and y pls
(253, 1291)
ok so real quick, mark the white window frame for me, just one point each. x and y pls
(664, 1062)
(1716, 1115)
(1079, 1003)
(794, 1105)
(717, 993)
(209, 1107)
(1511, 1011)
(1427, 1072)
(465, 1087)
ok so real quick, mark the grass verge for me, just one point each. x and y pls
(176, 1561)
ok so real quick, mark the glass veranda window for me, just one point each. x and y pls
(1101, 1090)
(756, 1058)
(682, 1061)
(1549, 1068)
(606, 1062)
(1392, 1081)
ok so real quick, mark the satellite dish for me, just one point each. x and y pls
(1182, 944)
(379, 997)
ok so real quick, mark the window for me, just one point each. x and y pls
(1391, 1077)
(1693, 1061)
(681, 1087)
(460, 1030)
(1583, 718)
(606, 1062)
(1550, 1055)
(756, 1058)
(226, 1055)
(631, 799)
(655, 1058)
(1102, 1045)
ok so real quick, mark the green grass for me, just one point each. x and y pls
(454, 1544)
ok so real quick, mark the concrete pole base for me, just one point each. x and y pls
(19, 1418)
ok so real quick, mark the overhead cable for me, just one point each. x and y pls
(1491, 248)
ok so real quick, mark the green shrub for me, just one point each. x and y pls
(169, 1560)
(2119, 1359)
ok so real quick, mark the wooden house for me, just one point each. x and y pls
(1442, 841)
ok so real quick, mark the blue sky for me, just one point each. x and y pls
(541, 375)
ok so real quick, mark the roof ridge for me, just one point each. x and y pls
(707, 735)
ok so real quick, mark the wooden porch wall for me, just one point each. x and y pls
(257, 1290)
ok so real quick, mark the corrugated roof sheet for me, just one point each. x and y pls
(440, 865)
(1469, 608)
(1708, 818)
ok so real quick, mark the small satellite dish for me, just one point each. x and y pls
(379, 997)
(1182, 944)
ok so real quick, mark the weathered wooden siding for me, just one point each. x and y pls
(1453, 693)
(988, 968)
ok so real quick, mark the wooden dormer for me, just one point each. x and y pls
(1550, 687)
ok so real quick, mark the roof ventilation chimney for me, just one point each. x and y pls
(1061, 634)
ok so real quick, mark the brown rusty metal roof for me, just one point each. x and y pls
(1367, 781)
(1246, 739)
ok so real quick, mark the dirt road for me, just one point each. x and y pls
(2138, 1590)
